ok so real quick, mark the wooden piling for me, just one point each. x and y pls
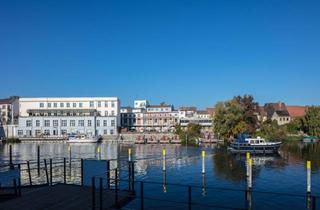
(46, 169)
(10, 156)
(108, 174)
(50, 172)
(64, 171)
(93, 187)
(38, 159)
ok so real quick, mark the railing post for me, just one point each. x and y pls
(129, 175)
(108, 174)
(64, 171)
(116, 188)
(46, 169)
(141, 196)
(93, 187)
(38, 159)
(189, 198)
(132, 176)
(15, 187)
(29, 173)
(50, 172)
(100, 194)
(81, 172)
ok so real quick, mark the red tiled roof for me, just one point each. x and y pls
(297, 111)
(211, 111)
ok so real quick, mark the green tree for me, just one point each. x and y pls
(190, 134)
(271, 131)
(312, 121)
(235, 116)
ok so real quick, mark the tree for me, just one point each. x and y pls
(312, 121)
(235, 116)
(271, 131)
(190, 135)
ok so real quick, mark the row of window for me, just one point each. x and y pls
(72, 123)
(62, 113)
(76, 104)
(54, 132)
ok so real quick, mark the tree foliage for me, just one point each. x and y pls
(236, 116)
(190, 134)
(271, 131)
(311, 122)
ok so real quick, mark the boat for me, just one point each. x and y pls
(82, 138)
(310, 139)
(257, 145)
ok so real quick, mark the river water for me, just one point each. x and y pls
(282, 173)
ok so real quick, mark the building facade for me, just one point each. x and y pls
(9, 110)
(62, 116)
(188, 115)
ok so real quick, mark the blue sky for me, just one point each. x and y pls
(181, 52)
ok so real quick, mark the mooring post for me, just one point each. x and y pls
(108, 174)
(203, 162)
(46, 169)
(64, 171)
(249, 182)
(164, 153)
(189, 197)
(100, 193)
(129, 154)
(50, 172)
(93, 187)
(116, 188)
(81, 172)
(69, 149)
(10, 156)
(309, 177)
(141, 196)
(38, 159)
(29, 173)
(19, 180)
(99, 153)
(248, 198)
(247, 163)
(314, 203)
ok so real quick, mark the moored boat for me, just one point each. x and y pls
(254, 145)
(83, 139)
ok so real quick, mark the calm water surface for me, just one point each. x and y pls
(284, 173)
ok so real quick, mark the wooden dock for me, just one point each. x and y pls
(64, 197)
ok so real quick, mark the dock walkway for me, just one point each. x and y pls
(64, 197)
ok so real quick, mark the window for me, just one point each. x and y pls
(28, 132)
(112, 113)
(28, 123)
(47, 123)
(37, 123)
(106, 113)
(20, 132)
(112, 104)
(111, 132)
(99, 103)
(49, 105)
(80, 105)
(98, 123)
(38, 132)
(55, 123)
(63, 132)
(61, 104)
(47, 132)
(81, 123)
(68, 104)
(106, 104)
(105, 123)
(91, 104)
(74, 104)
(105, 132)
(64, 123)
(41, 105)
(55, 105)
(72, 123)
(89, 123)
(112, 123)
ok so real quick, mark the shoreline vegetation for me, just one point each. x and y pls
(241, 114)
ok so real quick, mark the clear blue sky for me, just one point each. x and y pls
(181, 52)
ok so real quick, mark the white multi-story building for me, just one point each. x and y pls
(61, 116)
(189, 115)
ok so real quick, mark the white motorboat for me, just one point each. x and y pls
(83, 139)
